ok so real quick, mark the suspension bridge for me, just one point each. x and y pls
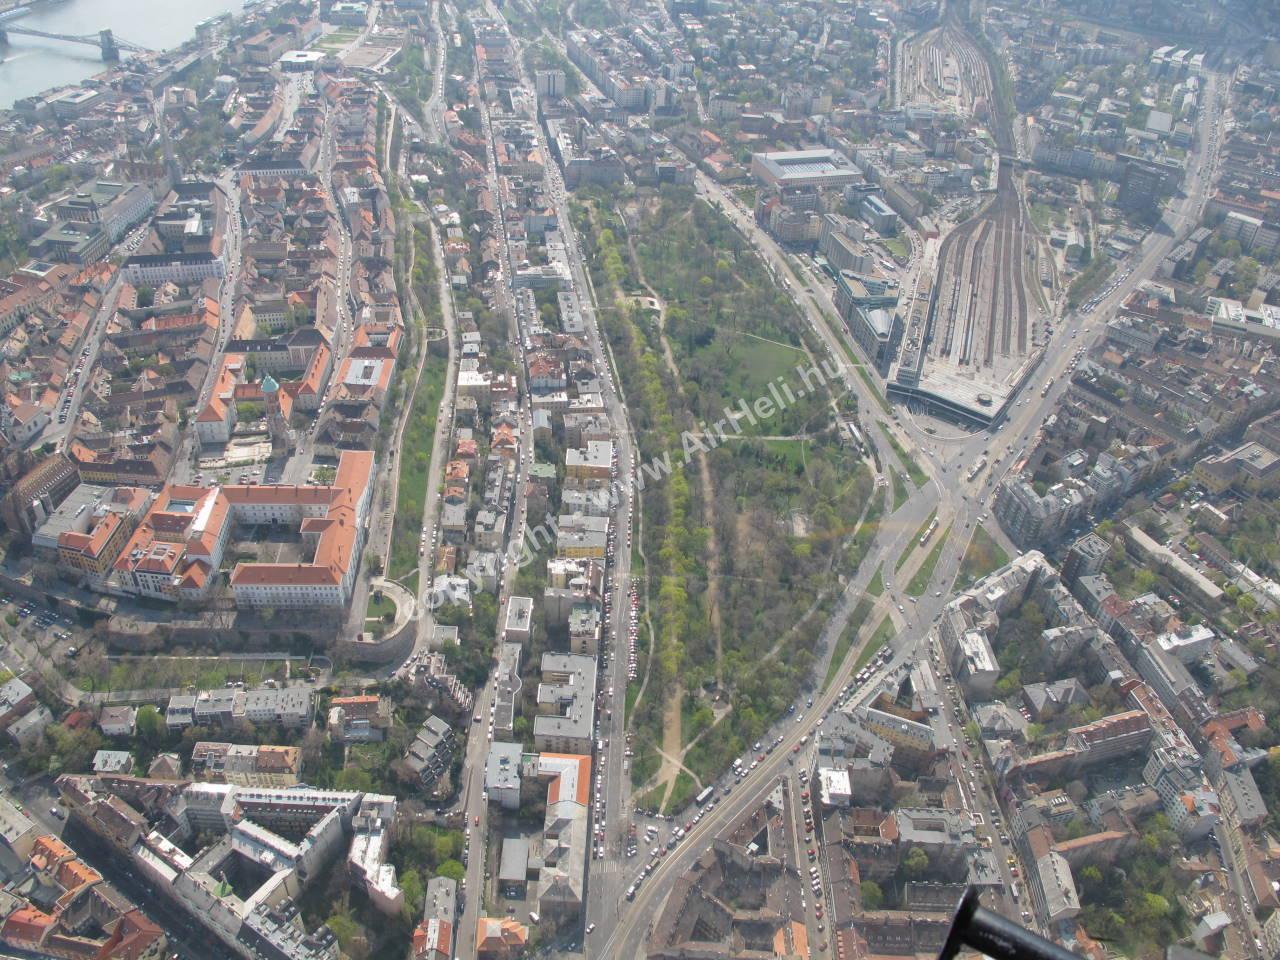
(104, 40)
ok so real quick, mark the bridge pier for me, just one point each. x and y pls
(105, 40)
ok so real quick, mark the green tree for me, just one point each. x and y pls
(453, 870)
(1009, 683)
(414, 893)
(72, 749)
(151, 726)
(345, 929)
(872, 895)
(1152, 907)
(522, 728)
(916, 862)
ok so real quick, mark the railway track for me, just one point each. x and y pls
(979, 308)
(982, 301)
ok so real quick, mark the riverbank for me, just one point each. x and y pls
(33, 66)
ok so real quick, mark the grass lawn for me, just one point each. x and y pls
(899, 490)
(920, 582)
(379, 606)
(897, 246)
(1043, 216)
(918, 476)
(878, 640)
(766, 361)
(645, 764)
(790, 452)
(682, 792)
(982, 556)
(751, 365)
(337, 37)
(415, 462)
(695, 717)
(650, 799)
(876, 586)
(141, 673)
(915, 542)
(845, 643)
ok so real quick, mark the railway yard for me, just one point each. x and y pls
(942, 66)
(967, 352)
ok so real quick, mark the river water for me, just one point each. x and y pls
(33, 64)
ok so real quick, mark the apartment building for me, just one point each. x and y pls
(152, 270)
(247, 765)
(359, 719)
(289, 707)
(432, 749)
(566, 700)
(433, 938)
(565, 834)
(87, 531)
(284, 706)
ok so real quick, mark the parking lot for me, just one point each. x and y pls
(56, 636)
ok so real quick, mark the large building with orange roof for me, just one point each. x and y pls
(308, 391)
(177, 550)
(500, 938)
(87, 531)
(31, 288)
(433, 938)
(26, 928)
(94, 551)
(215, 421)
(565, 835)
(78, 914)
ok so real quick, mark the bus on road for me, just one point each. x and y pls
(704, 796)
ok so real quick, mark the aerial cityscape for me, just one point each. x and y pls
(655, 479)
